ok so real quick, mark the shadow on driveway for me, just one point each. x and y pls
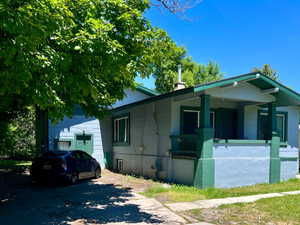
(88, 202)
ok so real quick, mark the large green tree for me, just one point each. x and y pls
(267, 70)
(54, 54)
(58, 53)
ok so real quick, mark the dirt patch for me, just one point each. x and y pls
(126, 181)
(163, 197)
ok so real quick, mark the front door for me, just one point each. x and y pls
(84, 142)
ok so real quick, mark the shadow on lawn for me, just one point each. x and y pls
(86, 202)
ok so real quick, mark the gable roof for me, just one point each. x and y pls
(147, 91)
(284, 96)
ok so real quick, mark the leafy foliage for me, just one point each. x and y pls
(54, 54)
(267, 70)
(195, 73)
(165, 69)
(17, 136)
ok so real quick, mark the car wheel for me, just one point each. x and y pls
(97, 173)
(74, 178)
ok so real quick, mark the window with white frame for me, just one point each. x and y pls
(121, 129)
(281, 125)
(191, 120)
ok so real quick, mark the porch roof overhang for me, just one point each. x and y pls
(284, 96)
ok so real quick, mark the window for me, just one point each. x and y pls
(281, 123)
(191, 120)
(62, 144)
(121, 129)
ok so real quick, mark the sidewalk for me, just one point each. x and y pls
(212, 203)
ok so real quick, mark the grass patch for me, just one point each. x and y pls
(278, 210)
(179, 193)
(285, 208)
(175, 193)
(14, 163)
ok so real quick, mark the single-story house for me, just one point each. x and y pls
(233, 132)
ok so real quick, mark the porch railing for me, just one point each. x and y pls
(184, 143)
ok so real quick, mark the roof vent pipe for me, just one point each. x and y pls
(179, 85)
(179, 73)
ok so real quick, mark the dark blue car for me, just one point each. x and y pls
(69, 166)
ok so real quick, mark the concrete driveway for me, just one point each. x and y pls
(89, 202)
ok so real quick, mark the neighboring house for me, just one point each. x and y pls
(233, 132)
(90, 134)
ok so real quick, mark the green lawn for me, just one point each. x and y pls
(181, 193)
(278, 210)
(14, 163)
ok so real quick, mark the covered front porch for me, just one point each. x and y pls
(235, 128)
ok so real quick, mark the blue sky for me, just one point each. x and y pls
(238, 35)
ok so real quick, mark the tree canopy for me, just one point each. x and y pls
(267, 70)
(54, 54)
(165, 70)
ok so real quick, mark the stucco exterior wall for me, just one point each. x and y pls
(183, 171)
(250, 122)
(241, 164)
(289, 163)
(148, 152)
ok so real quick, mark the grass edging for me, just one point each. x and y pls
(182, 193)
(275, 210)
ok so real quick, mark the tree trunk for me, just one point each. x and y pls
(41, 130)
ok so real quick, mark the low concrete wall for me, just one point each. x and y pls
(241, 164)
(144, 165)
(161, 167)
(183, 171)
(289, 163)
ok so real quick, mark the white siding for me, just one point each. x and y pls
(69, 127)
(101, 130)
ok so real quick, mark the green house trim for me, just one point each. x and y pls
(285, 159)
(91, 145)
(277, 113)
(195, 108)
(147, 91)
(284, 96)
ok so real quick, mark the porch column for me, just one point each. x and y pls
(204, 164)
(275, 145)
(240, 122)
